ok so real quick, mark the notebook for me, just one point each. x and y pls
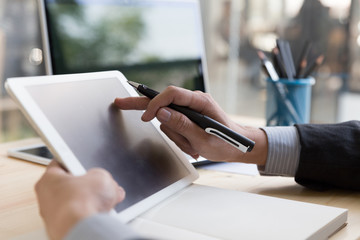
(75, 117)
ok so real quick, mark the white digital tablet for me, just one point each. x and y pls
(76, 119)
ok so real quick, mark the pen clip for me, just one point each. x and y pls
(227, 139)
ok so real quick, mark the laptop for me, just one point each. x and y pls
(153, 42)
(76, 119)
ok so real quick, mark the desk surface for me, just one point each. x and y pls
(19, 213)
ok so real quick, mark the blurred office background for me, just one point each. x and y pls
(233, 30)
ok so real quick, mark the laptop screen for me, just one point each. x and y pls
(157, 42)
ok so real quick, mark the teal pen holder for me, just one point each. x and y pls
(298, 94)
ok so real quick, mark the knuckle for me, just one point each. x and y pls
(165, 129)
(187, 149)
(37, 186)
(101, 174)
(207, 97)
(182, 123)
(204, 101)
(171, 89)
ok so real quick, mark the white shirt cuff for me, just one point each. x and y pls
(283, 151)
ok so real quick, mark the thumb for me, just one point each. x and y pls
(177, 121)
(120, 196)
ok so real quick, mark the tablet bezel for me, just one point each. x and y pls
(16, 88)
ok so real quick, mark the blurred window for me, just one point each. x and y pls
(234, 30)
(332, 26)
(20, 55)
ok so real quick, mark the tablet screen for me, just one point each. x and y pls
(100, 135)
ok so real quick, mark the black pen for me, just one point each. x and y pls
(302, 63)
(318, 61)
(209, 125)
(281, 44)
(279, 87)
(278, 63)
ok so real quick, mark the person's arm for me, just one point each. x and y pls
(319, 156)
(78, 206)
(276, 150)
(330, 155)
(101, 226)
(192, 139)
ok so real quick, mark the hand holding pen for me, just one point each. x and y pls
(187, 134)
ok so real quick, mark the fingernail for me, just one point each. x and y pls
(117, 101)
(163, 115)
(195, 156)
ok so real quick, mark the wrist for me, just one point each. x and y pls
(67, 217)
(260, 151)
(258, 155)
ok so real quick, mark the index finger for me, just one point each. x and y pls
(178, 96)
(132, 103)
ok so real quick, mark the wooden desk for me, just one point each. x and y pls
(18, 207)
(19, 213)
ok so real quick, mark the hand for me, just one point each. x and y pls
(65, 199)
(190, 137)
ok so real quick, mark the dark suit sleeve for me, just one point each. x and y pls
(329, 156)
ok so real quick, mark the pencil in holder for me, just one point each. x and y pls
(288, 101)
